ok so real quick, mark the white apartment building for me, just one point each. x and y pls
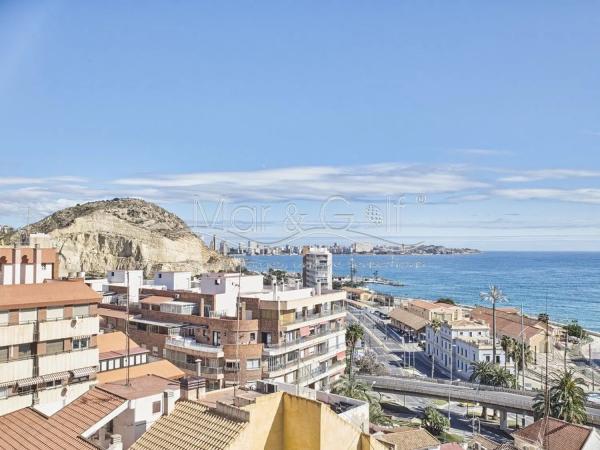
(303, 335)
(454, 344)
(226, 286)
(27, 265)
(317, 267)
(173, 281)
(48, 353)
(132, 279)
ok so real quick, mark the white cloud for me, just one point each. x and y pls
(313, 183)
(586, 195)
(549, 174)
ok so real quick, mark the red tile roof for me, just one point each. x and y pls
(46, 294)
(556, 433)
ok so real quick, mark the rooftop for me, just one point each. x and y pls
(115, 313)
(430, 305)
(113, 342)
(139, 387)
(27, 429)
(560, 434)
(155, 300)
(46, 294)
(410, 439)
(161, 368)
(190, 426)
(158, 323)
(407, 318)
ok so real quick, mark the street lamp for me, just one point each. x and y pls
(452, 347)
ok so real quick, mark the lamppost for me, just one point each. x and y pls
(452, 347)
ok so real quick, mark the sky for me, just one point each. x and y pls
(469, 124)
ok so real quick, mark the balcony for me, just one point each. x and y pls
(16, 369)
(178, 342)
(282, 347)
(320, 371)
(274, 367)
(67, 361)
(305, 319)
(17, 334)
(66, 328)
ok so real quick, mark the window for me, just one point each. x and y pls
(81, 343)
(53, 347)
(53, 383)
(253, 364)
(252, 337)
(3, 392)
(3, 317)
(24, 350)
(43, 266)
(156, 407)
(54, 313)
(102, 366)
(487, 358)
(27, 315)
(4, 354)
(232, 365)
(160, 275)
(81, 310)
(216, 338)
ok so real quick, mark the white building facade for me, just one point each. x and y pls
(317, 268)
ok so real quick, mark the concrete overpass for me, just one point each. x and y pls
(504, 400)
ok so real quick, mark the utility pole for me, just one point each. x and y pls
(127, 380)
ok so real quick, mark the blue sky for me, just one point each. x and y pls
(486, 116)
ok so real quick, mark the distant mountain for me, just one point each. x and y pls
(125, 234)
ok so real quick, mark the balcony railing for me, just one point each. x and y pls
(303, 339)
(311, 316)
(190, 343)
(275, 366)
(320, 371)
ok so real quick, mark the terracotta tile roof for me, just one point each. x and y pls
(114, 342)
(26, 429)
(27, 253)
(430, 305)
(119, 353)
(560, 434)
(48, 293)
(190, 426)
(161, 368)
(155, 300)
(409, 319)
(485, 443)
(410, 439)
(451, 446)
(508, 324)
(139, 387)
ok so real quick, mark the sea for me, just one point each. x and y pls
(566, 285)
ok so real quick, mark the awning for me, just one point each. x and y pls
(30, 381)
(83, 372)
(7, 384)
(341, 356)
(55, 376)
(304, 331)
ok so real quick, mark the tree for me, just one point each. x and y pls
(377, 416)
(508, 345)
(566, 398)
(434, 422)
(522, 355)
(436, 325)
(351, 387)
(493, 296)
(543, 317)
(574, 329)
(483, 372)
(501, 377)
(354, 333)
(369, 364)
(445, 300)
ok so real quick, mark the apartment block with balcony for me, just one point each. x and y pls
(317, 267)
(302, 332)
(48, 352)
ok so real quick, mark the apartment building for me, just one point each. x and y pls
(48, 353)
(455, 344)
(303, 334)
(283, 332)
(27, 265)
(317, 267)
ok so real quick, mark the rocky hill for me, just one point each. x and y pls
(125, 234)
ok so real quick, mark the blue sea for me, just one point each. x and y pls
(566, 284)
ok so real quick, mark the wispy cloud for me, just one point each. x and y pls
(482, 152)
(549, 174)
(587, 195)
(314, 183)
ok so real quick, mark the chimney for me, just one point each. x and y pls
(116, 442)
(192, 388)
(168, 402)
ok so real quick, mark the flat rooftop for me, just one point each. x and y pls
(139, 387)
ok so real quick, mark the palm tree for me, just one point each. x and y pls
(522, 355)
(436, 325)
(566, 398)
(434, 422)
(354, 333)
(493, 296)
(349, 386)
(483, 372)
(507, 344)
(501, 377)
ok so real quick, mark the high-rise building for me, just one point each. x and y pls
(317, 268)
